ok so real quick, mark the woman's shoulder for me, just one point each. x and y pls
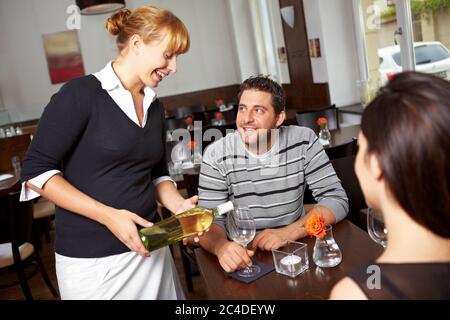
(85, 83)
(347, 289)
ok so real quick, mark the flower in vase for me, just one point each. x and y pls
(322, 121)
(191, 144)
(315, 226)
(188, 120)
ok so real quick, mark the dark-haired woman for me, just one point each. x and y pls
(403, 165)
(99, 156)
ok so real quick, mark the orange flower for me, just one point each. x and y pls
(188, 120)
(219, 115)
(191, 144)
(322, 121)
(315, 226)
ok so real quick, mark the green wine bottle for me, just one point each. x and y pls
(177, 227)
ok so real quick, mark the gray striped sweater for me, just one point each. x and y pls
(271, 185)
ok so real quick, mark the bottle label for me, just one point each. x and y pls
(225, 207)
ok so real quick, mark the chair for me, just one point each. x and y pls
(343, 150)
(309, 118)
(187, 253)
(345, 171)
(183, 112)
(43, 213)
(173, 123)
(20, 249)
(333, 153)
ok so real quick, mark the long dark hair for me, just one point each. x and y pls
(407, 127)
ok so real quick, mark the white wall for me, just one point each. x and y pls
(332, 23)
(244, 41)
(24, 80)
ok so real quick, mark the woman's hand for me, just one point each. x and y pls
(122, 223)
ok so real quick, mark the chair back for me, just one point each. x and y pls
(191, 181)
(183, 112)
(344, 150)
(172, 124)
(309, 118)
(20, 220)
(345, 171)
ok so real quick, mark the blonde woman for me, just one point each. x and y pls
(99, 155)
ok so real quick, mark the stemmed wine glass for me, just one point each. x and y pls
(376, 228)
(241, 229)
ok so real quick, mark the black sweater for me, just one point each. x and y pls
(102, 153)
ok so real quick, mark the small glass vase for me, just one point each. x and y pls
(324, 135)
(326, 253)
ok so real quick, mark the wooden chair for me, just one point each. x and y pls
(17, 246)
(187, 254)
(43, 214)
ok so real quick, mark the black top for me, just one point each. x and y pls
(404, 281)
(102, 153)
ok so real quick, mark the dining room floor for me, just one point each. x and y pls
(40, 291)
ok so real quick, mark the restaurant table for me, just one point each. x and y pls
(9, 185)
(343, 135)
(314, 284)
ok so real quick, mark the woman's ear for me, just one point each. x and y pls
(375, 168)
(135, 43)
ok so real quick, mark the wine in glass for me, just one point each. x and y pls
(241, 229)
(376, 228)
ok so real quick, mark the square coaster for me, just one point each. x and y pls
(265, 269)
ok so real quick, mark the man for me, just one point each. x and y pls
(266, 167)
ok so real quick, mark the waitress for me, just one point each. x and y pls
(98, 154)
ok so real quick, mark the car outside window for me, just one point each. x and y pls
(425, 54)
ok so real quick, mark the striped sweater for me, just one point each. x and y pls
(271, 185)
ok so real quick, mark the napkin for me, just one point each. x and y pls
(265, 269)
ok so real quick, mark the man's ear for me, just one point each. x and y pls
(375, 168)
(280, 118)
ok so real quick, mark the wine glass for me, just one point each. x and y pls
(376, 228)
(241, 229)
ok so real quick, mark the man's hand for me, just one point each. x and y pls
(185, 205)
(233, 256)
(270, 239)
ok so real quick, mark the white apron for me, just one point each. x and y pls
(126, 276)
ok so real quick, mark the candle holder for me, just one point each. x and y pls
(291, 259)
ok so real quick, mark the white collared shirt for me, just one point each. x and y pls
(122, 97)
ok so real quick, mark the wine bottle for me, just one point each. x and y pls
(177, 227)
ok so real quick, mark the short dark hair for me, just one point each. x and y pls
(407, 126)
(265, 84)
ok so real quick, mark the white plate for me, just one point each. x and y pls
(6, 176)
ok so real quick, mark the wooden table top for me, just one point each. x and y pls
(314, 284)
